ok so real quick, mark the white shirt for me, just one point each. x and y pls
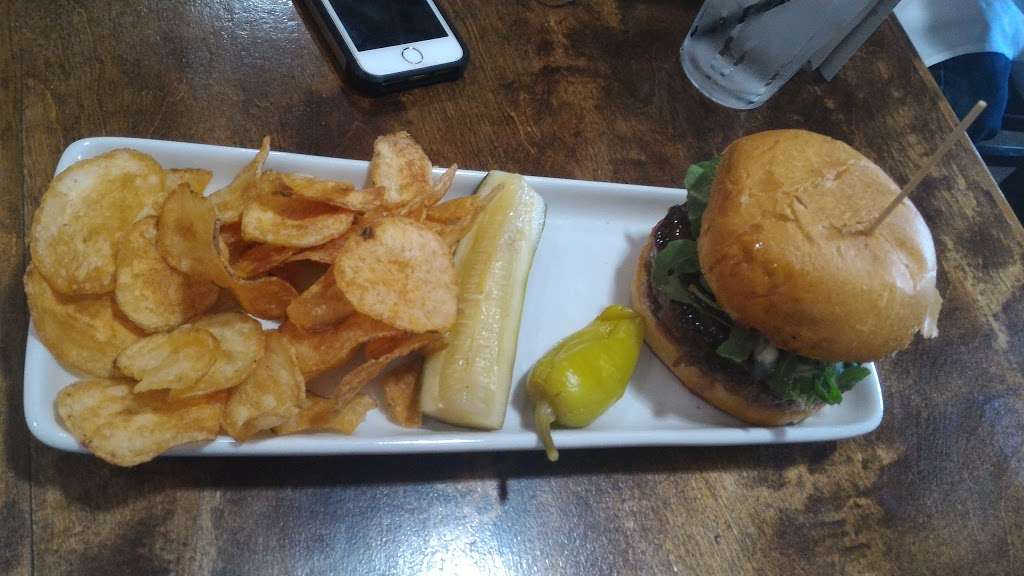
(944, 29)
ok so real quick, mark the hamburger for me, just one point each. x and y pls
(764, 294)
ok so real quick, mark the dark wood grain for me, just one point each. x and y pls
(15, 488)
(594, 91)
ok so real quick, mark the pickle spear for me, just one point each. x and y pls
(468, 383)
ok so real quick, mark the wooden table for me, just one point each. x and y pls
(594, 91)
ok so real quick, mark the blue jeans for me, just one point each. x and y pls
(966, 79)
(983, 76)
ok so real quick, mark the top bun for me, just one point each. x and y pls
(783, 249)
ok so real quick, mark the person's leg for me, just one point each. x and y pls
(966, 79)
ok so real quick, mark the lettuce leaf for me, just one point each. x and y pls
(799, 378)
(677, 258)
(698, 181)
(740, 344)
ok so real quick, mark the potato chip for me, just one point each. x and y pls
(380, 346)
(401, 273)
(151, 294)
(84, 214)
(128, 429)
(417, 213)
(318, 352)
(401, 394)
(230, 238)
(334, 192)
(260, 259)
(84, 333)
(443, 185)
(401, 167)
(185, 237)
(230, 201)
(267, 297)
(325, 253)
(270, 396)
(454, 210)
(451, 232)
(301, 274)
(196, 179)
(225, 303)
(171, 360)
(320, 306)
(353, 382)
(293, 221)
(417, 208)
(323, 414)
(242, 344)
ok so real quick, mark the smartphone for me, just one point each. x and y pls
(391, 45)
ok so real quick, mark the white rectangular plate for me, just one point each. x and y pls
(585, 262)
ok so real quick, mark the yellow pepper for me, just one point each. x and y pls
(585, 373)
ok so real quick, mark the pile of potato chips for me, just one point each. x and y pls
(152, 290)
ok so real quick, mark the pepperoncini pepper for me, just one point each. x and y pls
(585, 373)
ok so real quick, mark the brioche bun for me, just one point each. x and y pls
(783, 249)
(738, 395)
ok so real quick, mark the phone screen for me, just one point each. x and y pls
(375, 24)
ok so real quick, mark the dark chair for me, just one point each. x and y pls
(1005, 155)
(1009, 155)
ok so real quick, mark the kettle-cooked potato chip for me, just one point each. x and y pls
(274, 392)
(451, 232)
(84, 333)
(419, 206)
(401, 273)
(85, 212)
(334, 192)
(454, 210)
(153, 295)
(126, 429)
(320, 306)
(170, 360)
(301, 274)
(196, 179)
(400, 166)
(380, 346)
(323, 414)
(267, 297)
(230, 201)
(230, 236)
(354, 382)
(293, 221)
(241, 342)
(325, 253)
(401, 393)
(187, 239)
(260, 259)
(323, 350)
(453, 219)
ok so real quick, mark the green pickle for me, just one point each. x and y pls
(585, 373)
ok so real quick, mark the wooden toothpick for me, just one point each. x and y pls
(923, 170)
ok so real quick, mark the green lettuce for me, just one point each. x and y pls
(740, 344)
(677, 258)
(698, 181)
(798, 378)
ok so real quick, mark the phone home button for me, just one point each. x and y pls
(412, 55)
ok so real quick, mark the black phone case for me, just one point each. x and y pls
(374, 84)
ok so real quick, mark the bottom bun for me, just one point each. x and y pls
(742, 397)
